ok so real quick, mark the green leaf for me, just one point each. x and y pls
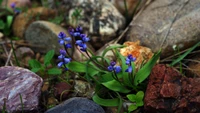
(110, 48)
(1, 2)
(125, 75)
(81, 67)
(106, 77)
(35, 70)
(131, 97)
(139, 95)
(48, 57)
(77, 67)
(144, 72)
(185, 54)
(106, 102)
(2, 24)
(132, 107)
(9, 21)
(54, 71)
(139, 98)
(34, 63)
(116, 86)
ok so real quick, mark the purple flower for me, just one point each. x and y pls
(63, 59)
(61, 35)
(63, 52)
(117, 69)
(112, 67)
(129, 59)
(12, 5)
(79, 29)
(63, 39)
(129, 70)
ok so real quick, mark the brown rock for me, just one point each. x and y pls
(61, 90)
(19, 3)
(16, 81)
(170, 92)
(23, 20)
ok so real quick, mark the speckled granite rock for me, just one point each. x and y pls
(16, 81)
(165, 23)
(170, 92)
(99, 18)
(77, 105)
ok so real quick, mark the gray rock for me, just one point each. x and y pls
(165, 23)
(77, 105)
(16, 81)
(99, 18)
(43, 36)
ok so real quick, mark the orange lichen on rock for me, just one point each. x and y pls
(142, 54)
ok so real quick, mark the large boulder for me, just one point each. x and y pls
(165, 23)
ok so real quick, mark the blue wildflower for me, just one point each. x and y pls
(129, 59)
(12, 5)
(63, 59)
(63, 40)
(117, 69)
(112, 67)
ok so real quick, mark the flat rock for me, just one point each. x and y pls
(170, 92)
(43, 36)
(77, 105)
(16, 81)
(165, 23)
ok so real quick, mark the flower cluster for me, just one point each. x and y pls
(63, 59)
(129, 59)
(67, 42)
(112, 67)
(63, 40)
(13, 6)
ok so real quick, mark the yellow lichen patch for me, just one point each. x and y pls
(142, 54)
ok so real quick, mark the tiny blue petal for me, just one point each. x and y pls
(79, 29)
(63, 52)
(84, 46)
(12, 5)
(68, 45)
(82, 35)
(61, 56)
(67, 60)
(118, 69)
(110, 68)
(85, 39)
(76, 34)
(112, 63)
(60, 64)
(67, 39)
(79, 42)
(129, 70)
(61, 35)
(61, 42)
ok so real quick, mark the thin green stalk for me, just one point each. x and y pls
(18, 64)
(21, 103)
(126, 10)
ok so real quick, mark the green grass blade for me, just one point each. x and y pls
(144, 72)
(185, 54)
(106, 102)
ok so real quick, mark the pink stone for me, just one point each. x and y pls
(16, 81)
